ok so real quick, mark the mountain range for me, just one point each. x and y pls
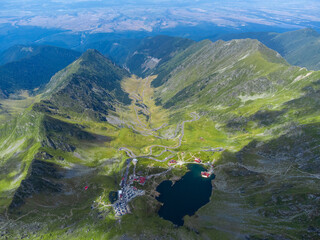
(79, 128)
(142, 56)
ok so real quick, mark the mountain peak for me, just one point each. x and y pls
(309, 31)
(251, 46)
(91, 83)
(93, 56)
(94, 66)
(247, 42)
(91, 53)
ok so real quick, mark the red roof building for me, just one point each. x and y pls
(142, 180)
(172, 161)
(205, 174)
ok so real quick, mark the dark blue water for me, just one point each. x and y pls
(186, 196)
(113, 196)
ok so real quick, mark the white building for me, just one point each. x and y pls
(120, 194)
(135, 161)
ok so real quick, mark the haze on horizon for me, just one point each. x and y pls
(151, 15)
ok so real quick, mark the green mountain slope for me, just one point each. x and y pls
(268, 186)
(217, 73)
(300, 48)
(43, 154)
(244, 99)
(33, 70)
(19, 143)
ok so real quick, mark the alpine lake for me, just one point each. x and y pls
(185, 196)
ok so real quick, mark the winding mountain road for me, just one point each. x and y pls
(140, 105)
(130, 153)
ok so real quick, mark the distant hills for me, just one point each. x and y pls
(18, 52)
(300, 48)
(154, 51)
(30, 67)
(142, 56)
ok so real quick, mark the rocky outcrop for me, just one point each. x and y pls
(58, 144)
(62, 135)
(43, 156)
(42, 179)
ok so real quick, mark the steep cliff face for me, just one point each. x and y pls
(61, 135)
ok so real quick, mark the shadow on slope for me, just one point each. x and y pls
(266, 190)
